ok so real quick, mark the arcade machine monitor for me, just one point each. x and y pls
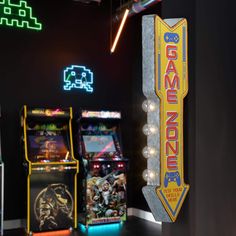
(99, 144)
(48, 146)
(51, 169)
(103, 169)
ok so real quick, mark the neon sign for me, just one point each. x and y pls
(18, 15)
(78, 77)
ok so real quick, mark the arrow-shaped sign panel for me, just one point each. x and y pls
(171, 86)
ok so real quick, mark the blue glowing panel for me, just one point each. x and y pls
(78, 77)
(101, 230)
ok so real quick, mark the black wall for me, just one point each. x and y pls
(209, 114)
(210, 206)
(32, 63)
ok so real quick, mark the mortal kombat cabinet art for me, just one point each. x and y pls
(53, 208)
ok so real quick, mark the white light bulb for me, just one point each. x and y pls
(149, 152)
(149, 175)
(149, 105)
(145, 175)
(149, 129)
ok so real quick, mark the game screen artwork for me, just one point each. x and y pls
(99, 143)
(53, 208)
(49, 147)
(106, 198)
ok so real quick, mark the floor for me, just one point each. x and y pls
(133, 226)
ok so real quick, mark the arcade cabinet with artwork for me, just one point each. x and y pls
(1, 186)
(103, 169)
(51, 169)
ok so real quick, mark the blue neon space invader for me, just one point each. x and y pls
(78, 77)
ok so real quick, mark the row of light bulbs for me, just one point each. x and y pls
(149, 129)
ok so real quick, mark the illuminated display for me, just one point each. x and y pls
(18, 15)
(47, 148)
(99, 143)
(48, 112)
(102, 114)
(78, 77)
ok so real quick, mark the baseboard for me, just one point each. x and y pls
(14, 224)
(143, 215)
(21, 223)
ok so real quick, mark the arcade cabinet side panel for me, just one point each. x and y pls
(1, 187)
(51, 201)
(81, 193)
(1, 197)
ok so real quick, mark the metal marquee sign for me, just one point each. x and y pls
(165, 84)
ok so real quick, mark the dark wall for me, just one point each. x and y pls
(215, 143)
(210, 205)
(32, 63)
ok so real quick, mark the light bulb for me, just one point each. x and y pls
(145, 175)
(148, 175)
(149, 129)
(149, 105)
(149, 152)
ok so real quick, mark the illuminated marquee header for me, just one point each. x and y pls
(41, 112)
(101, 114)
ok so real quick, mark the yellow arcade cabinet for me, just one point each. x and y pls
(51, 169)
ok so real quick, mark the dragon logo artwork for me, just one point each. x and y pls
(53, 207)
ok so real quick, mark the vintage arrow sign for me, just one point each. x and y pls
(165, 81)
(171, 88)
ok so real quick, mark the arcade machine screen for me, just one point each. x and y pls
(99, 143)
(48, 145)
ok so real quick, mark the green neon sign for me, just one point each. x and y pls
(18, 15)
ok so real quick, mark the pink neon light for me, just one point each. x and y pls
(104, 149)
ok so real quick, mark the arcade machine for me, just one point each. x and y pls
(103, 169)
(51, 169)
(1, 187)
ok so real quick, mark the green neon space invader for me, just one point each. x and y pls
(18, 15)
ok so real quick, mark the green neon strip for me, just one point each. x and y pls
(68, 77)
(18, 15)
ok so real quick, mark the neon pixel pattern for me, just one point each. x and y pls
(18, 15)
(78, 77)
